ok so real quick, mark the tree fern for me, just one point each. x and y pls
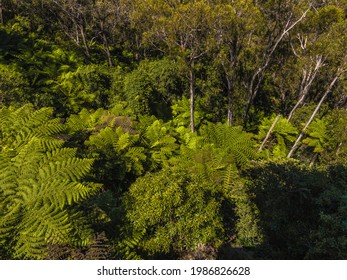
(284, 132)
(180, 205)
(317, 135)
(121, 145)
(127, 247)
(40, 183)
(233, 142)
(161, 141)
(19, 126)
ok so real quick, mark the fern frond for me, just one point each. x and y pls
(72, 169)
(232, 141)
(136, 154)
(35, 118)
(39, 184)
(53, 127)
(127, 247)
(58, 155)
(317, 135)
(283, 132)
(105, 138)
(30, 247)
(123, 142)
(8, 221)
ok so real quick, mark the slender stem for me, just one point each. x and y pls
(312, 116)
(306, 84)
(1, 13)
(259, 74)
(269, 132)
(192, 95)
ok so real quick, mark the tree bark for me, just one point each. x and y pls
(1, 13)
(306, 84)
(84, 39)
(191, 97)
(107, 50)
(269, 132)
(313, 115)
(231, 87)
(338, 150)
(313, 160)
(259, 74)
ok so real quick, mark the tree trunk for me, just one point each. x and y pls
(191, 96)
(306, 84)
(259, 74)
(1, 13)
(313, 160)
(312, 116)
(338, 150)
(77, 34)
(269, 132)
(86, 47)
(230, 82)
(304, 88)
(107, 50)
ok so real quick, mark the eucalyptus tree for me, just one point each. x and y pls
(338, 70)
(74, 20)
(110, 26)
(178, 28)
(339, 73)
(236, 24)
(281, 18)
(314, 54)
(313, 49)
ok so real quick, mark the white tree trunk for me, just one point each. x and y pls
(269, 132)
(258, 75)
(191, 97)
(312, 116)
(307, 80)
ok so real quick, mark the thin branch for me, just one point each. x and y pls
(269, 132)
(254, 89)
(313, 115)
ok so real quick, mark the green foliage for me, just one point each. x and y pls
(87, 87)
(127, 247)
(318, 137)
(181, 121)
(116, 73)
(180, 206)
(121, 143)
(248, 232)
(232, 143)
(329, 236)
(337, 130)
(12, 85)
(161, 141)
(284, 133)
(152, 87)
(40, 185)
(179, 210)
(326, 16)
(300, 209)
(113, 142)
(327, 136)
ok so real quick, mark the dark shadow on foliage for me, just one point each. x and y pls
(302, 210)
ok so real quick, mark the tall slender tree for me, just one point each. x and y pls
(177, 28)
